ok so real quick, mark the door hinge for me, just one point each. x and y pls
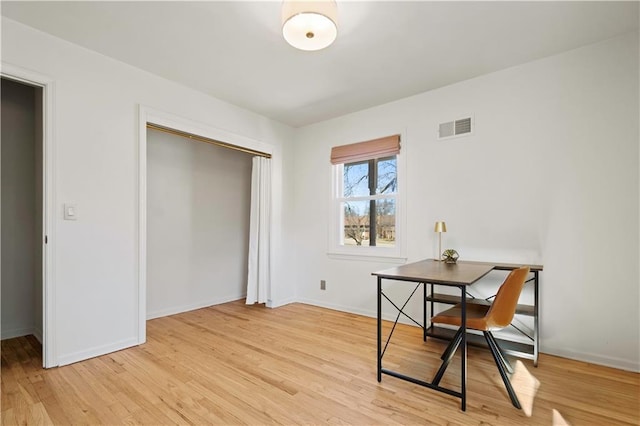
(46, 240)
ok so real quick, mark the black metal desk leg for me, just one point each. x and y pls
(379, 329)
(536, 304)
(431, 312)
(463, 366)
(424, 312)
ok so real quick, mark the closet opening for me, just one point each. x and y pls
(196, 205)
(22, 216)
(198, 201)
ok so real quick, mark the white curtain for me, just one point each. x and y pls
(259, 277)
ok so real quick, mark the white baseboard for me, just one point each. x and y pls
(620, 363)
(613, 362)
(363, 312)
(193, 306)
(97, 351)
(350, 309)
(17, 332)
(278, 303)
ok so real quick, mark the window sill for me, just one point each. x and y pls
(367, 257)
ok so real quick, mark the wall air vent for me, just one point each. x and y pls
(459, 127)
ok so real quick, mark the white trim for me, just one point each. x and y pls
(375, 257)
(150, 115)
(395, 254)
(194, 306)
(349, 309)
(607, 361)
(97, 351)
(613, 362)
(171, 121)
(142, 225)
(18, 332)
(278, 303)
(49, 351)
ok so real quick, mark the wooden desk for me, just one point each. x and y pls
(423, 272)
(464, 273)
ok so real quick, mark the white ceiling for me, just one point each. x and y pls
(233, 50)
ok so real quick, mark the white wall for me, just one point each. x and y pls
(96, 128)
(550, 176)
(557, 138)
(20, 255)
(198, 204)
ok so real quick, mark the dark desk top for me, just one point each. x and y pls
(432, 271)
(503, 266)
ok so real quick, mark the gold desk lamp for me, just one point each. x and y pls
(440, 228)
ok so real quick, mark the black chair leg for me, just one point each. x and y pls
(495, 351)
(503, 357)
(450, 352)
(447, 352)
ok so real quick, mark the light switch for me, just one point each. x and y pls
(70, 212)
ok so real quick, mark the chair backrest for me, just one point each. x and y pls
(504, 305)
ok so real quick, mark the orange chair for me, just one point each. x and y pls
(486, 318)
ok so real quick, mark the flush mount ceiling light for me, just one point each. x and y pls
(309, 25)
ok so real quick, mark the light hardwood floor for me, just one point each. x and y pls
(298, 364)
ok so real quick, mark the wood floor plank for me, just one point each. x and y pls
(235, 364)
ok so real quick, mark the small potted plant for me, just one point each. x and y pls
(450, 256)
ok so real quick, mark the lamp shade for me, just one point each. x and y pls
(440, 227)
(309, 25)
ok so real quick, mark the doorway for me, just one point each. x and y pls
(22, 191)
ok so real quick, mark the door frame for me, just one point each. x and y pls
(150, 115)
(47, 84)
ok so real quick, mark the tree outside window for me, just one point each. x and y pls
(368, 202)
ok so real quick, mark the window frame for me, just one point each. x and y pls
(396, 254)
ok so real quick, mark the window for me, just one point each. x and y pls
(367, 200)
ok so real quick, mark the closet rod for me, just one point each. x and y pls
(206, 140)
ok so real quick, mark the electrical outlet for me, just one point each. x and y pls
(323, 285)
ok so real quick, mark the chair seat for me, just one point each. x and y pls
(476, 316)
